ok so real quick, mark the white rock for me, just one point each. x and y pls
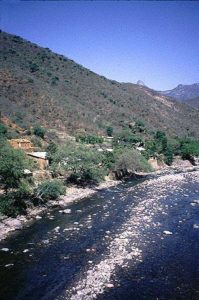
(38, 217)
(9, 265)
(57, 228)
(5, 249)
(167, 232)
(67, 211)
(196, 201)
(109, 285)
(25, 250)
(196, 226)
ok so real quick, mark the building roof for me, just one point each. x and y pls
(42, 155)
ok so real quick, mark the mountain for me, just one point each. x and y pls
(140, 82)
(38, 86)
(183, 92)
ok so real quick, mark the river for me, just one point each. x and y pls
(138, 240)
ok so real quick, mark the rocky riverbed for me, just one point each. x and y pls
(73, 193)
(132, 241)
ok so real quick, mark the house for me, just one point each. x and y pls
(40, 158)
(23, 144)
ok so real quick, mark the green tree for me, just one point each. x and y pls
(109, 131)
(168, 155)
(39, 131)
(50, 189)
(12, 165)
(132, 160)
(79, 163)
(3, 130)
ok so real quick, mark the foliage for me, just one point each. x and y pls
(168, 154)
(139, 126)
(51, 149)
(11, 204)
(189, 148)
(12, 165)
(50, 189)
(109, 131)
(3, 130)
(39, 131)
(131, 159)
(89, 139)
(79, 162)
(127, 138)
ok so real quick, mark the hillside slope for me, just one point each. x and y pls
(38, 86)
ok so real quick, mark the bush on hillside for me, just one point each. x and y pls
(12, 165)
(189, 148)
(12, 205)
(89, 139)
(79, 163)
(50, 190)
(39, 131)
(109, 131)
(132, 160)
(3, 130)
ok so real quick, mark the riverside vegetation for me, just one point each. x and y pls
(81, 163)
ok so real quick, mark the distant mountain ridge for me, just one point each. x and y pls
(183, 92)
(38, 86)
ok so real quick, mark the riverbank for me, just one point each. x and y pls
(8, 225)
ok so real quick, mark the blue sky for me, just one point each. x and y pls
(156, 42)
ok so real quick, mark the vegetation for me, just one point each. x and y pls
(89, 139)
(109, 131)
(68, 96)
(131, 160)
(50, 189)
(12, 165)
(79, 163)
(189, 148)
(39, 131)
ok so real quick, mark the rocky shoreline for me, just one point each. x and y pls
(8, 225)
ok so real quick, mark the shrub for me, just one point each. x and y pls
(89, 139)
(109, 131)
(50, 189)
(12, 165)
(189, 148)
(3, 130)
(132, 160)
(11, 205)
(39, 131)
(127, 138)
(33, 67)
(168, 155)
(78, 162)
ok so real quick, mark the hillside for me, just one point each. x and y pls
(194, 102)
(183, 92)
(38, 86)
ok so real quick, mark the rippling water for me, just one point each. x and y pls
(111, 246)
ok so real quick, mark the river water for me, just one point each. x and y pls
(134, 241)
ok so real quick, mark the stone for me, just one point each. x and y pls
(25, 250)
(57, 228)
(5, 249)
(67, 211)
(109, 285)
(167, 232)
(196, 226)
(38, 217)
(196, 201)
(9, 265)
